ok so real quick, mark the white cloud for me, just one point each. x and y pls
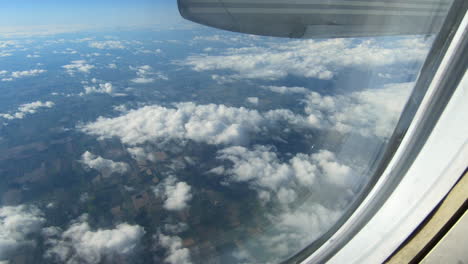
(112, 66)
(252, 100)
(78, 65)
(5, 54)
(105, 166)
(263, 170)
(371, 112)
(80, 244)
(33, 56)
(310, 58)
(21, 74)
(212, 124)
(101, 88)
(17, 224)
(26, 109)
(295, 229)
(286, 90)
(140, 154)
(176, 253)
(146, 74)
(108, 44)
(176, 194)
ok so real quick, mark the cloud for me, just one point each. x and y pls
(369, 112)
(140, 154)
(66, 51)
(21, 74)
(293, 230)
(176, 194)
(78, 65)
(6, 54)
(17, 224)
(176, 253)
(112, 66)
(212, 124)
(146, 74)
(252, 100)
(265, 172)
(286, 90)
(108, 44)
(101, 88)
(80, 244)
(33, 56)
(105, 166)
(309, 58)
(26, 109)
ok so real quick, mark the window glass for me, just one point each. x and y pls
(128, 135)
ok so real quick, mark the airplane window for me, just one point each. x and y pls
(131, 135)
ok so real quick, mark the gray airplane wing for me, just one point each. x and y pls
(319, 18)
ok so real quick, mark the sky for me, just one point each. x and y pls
(94, 13)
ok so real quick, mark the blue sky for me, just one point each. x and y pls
(87, 12)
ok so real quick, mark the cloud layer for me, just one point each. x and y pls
(309, 58)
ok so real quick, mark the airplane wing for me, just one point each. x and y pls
(318, 18)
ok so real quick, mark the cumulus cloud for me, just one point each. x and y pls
(292, 230)
(105, 166)
(212, 124)
(176, 194)
(20, 74)
(26, 109)
(252, 100)
(309, 58)
(371, 112)
(286, 89)
(81, 244)
(141, 154)
(100, 88)
(265, 172)
(145, 74)
(78, 65)
(107, 44)
(17, 224)
(176, 252)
